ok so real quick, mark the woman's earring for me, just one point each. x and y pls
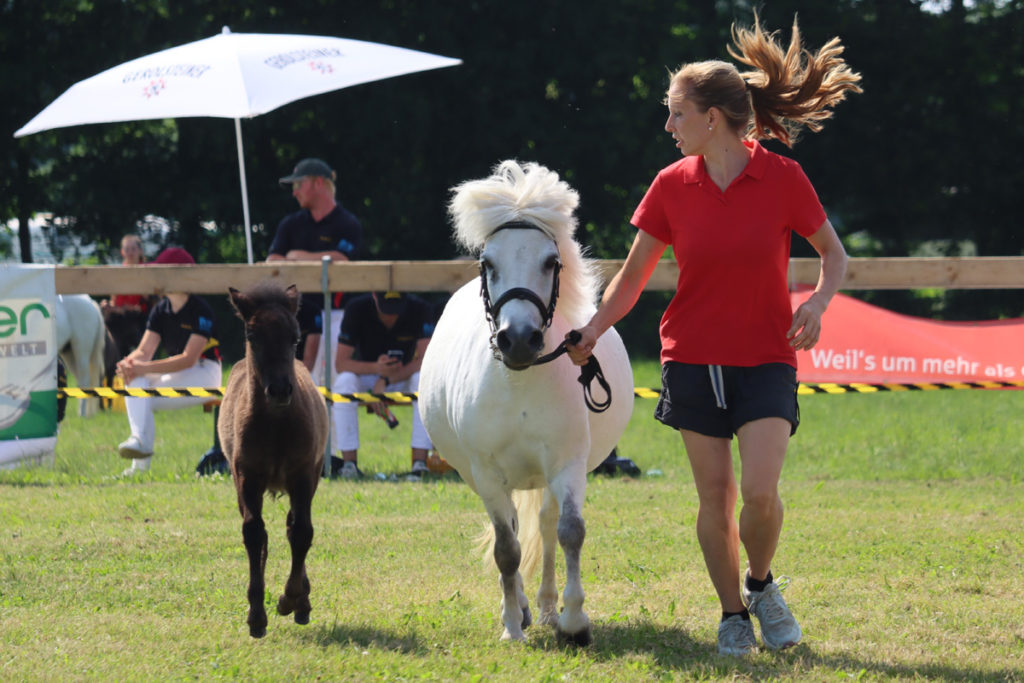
(710, 128)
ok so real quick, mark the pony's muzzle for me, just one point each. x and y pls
(279, 394)
(519, 345)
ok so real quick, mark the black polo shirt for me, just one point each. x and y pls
(339, 230)
(195, 317)
(363, 330)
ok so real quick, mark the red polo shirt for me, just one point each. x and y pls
(731, 305)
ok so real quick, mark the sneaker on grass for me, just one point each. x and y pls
(736, 637)
(779, 629)
(349, 470)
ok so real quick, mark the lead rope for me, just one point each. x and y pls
(588, 373)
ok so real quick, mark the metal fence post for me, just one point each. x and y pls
(325, 342)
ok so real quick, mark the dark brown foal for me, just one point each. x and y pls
(273, 428)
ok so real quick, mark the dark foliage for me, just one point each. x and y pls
(915, 163)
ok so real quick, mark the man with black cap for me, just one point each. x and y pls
(321, 227)
(380, 348)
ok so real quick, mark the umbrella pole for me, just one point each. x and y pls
(245, 191)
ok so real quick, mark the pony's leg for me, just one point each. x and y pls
(569, 487)
(515, 610)
(300, 536)
(254, 535)
(547, 595)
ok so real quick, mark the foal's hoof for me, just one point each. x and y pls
(257, 624)
(581, 639)
(286, 606)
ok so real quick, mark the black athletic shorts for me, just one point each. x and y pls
(716, 400)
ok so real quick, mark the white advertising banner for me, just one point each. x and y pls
(28, 364)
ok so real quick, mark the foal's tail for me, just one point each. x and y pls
(528, 504)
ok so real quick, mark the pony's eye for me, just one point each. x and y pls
(551, 263)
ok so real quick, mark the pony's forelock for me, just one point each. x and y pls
(528, 193)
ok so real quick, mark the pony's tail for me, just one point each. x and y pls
(98, 359)
(528, 504)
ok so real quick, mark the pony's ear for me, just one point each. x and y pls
(293, 298)
(240, 302)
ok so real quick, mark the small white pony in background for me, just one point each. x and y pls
(506, 424)
(81, 337)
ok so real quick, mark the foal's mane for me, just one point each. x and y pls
(532, 194)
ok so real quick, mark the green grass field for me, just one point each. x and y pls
(903, 540)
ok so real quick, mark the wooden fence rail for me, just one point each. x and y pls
(995, 272)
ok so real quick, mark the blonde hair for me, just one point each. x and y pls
(786, 90)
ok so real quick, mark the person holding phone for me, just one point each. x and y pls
(381, 344)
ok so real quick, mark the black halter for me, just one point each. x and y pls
(590, 371)
(492, 309)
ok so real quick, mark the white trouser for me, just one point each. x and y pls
(318, 365)
(206, 373)
(346, 415)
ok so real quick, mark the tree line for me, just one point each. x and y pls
(916, 165)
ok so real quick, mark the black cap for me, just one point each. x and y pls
(306, 168)
(390, 303)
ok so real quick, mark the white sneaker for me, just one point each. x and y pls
(419, 467)
(139, 465)
(132, 449)
(736, 637)
(349, 470)
(779, 629)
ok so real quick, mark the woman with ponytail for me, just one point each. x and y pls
(729, 338)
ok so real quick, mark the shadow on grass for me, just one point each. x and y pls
(674, 649)
(365, 637)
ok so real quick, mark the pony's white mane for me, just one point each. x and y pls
(531, 194)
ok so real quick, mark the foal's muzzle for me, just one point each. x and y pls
(279, 394)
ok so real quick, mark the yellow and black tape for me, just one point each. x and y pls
(401, 397)
(859, 388)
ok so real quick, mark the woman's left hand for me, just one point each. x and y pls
(805, 331)
(128, 370)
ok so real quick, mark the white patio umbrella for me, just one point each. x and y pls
(231, 75)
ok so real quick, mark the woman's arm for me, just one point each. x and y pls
(621, 293)
(805, 331)
(131, 368)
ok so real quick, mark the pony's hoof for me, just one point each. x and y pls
(302, 618)
(548, 617)
(285, 606)
(257, 621)
(581, 639)
(508, 635)
(527, 617)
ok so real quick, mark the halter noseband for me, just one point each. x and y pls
(492, 309)
(590, 371)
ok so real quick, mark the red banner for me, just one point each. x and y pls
(864, 343)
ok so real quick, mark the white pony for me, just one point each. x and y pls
(504, 423)
(81, 338)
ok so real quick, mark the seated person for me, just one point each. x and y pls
(380, 348)
(310, 317)
(180, 324)
(125, 315)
